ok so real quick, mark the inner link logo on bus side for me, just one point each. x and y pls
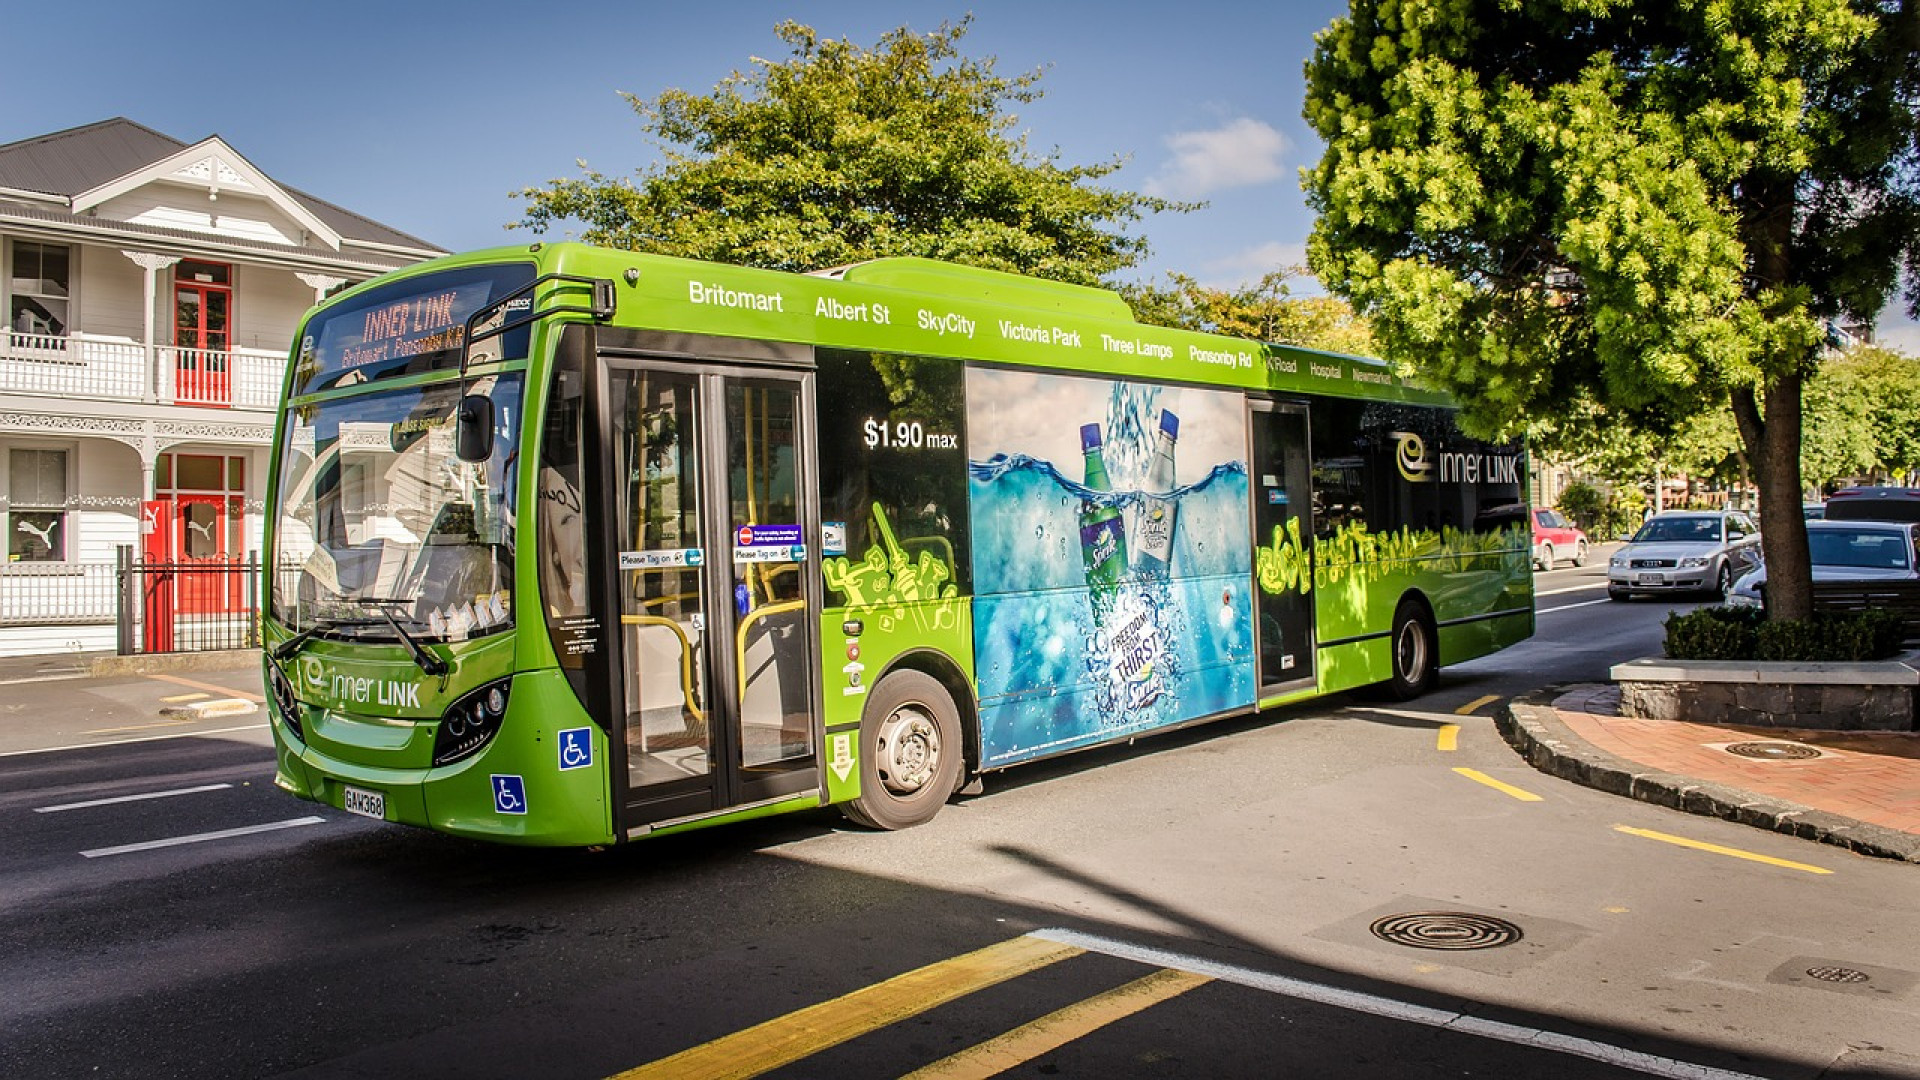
(1410, 457)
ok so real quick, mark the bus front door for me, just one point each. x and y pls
(718, 577)
(1282, 477)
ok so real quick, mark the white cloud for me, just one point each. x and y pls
(1244, 152)
(1246, 266)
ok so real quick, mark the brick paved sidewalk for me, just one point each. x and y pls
(1855, 789)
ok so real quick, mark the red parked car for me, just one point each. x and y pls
(1555, 537)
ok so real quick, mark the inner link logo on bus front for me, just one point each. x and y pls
(889, 583)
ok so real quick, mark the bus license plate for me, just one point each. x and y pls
(371, 804)
(1653, 579)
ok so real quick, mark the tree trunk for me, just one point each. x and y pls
(1783, 530)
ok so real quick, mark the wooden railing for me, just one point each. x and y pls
(109, 369)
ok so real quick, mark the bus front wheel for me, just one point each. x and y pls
(1416, 653)
(910, 752)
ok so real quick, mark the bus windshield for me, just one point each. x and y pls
(379, 518)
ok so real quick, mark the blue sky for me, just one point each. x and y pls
(426, 116)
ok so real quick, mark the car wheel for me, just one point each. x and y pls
(1580, 553)
(1618, 594)
(1724, 583)
(1545, 561)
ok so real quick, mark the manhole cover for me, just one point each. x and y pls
(1773, 751)
(1838, 974)
(1457, 930)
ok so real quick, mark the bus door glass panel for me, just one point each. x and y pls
(1283, 540)
(663, 621)
(771, 639)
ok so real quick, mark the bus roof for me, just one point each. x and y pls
(928, 307)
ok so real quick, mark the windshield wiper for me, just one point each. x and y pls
(429, 663)
(320, 626)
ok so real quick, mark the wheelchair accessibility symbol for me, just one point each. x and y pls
(509, 794)
(576, 748)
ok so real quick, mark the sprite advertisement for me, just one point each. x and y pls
(1111, 568)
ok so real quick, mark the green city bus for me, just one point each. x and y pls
(850, 538)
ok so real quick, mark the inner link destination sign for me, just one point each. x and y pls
(410, 326)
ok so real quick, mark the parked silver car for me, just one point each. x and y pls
(1685, 551)
(1846, 551)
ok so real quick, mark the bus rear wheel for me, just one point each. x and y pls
(910, 752)
(1416, 653)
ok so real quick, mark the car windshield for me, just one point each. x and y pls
(1876, 549)
(1672, 529)
(377, 511)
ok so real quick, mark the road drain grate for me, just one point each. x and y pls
(1838, 974)
(1773, 751)
(1452, 930)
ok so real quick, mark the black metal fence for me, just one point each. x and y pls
(188, 605)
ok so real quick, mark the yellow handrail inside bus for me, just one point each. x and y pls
(740, 637)
(686, 657)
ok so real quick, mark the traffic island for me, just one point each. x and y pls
(1874, 696)
(1533, 725)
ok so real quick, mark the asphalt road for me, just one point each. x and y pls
(1203, 904)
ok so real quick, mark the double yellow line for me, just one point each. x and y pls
(787, 1039)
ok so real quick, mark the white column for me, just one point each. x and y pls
(152, 264)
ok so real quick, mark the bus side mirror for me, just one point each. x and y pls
(473, 428)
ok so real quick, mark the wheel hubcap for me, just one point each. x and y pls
(909, 747)
(1411, 648)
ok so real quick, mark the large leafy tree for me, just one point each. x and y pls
(1645, 209)
(1267, 310)
(842, 153)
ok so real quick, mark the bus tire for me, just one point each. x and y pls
(910, 752)
(1415, 650)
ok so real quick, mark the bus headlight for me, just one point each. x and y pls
(470, 723)
(284, 699)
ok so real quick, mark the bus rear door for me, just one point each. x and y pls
(1281, 482)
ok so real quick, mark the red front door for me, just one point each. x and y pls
(204, 529)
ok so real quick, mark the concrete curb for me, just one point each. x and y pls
(148, 663)
(1532, 727)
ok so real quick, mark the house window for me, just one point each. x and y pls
(37, 516)
(39, 291)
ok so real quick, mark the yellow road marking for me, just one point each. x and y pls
(1476, 703)
(1700, 845)
(1449, 736)
(139, 727)
(786, 1039)
(1058, 1028)
(178, 698)
(1479, 777)
(223, 690)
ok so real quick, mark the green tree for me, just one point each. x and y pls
(841, 153)
(1647, 207)
(1264, 311)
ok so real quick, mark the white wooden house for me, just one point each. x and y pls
(152, 288)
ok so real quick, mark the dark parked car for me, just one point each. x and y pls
(1874, 504)
(1685, 551)
(1846, 551)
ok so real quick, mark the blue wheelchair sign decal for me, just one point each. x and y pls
(509, 794)
(576, 748)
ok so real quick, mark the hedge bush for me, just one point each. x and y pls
(1738, 633)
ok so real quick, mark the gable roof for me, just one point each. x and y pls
(67, 164)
